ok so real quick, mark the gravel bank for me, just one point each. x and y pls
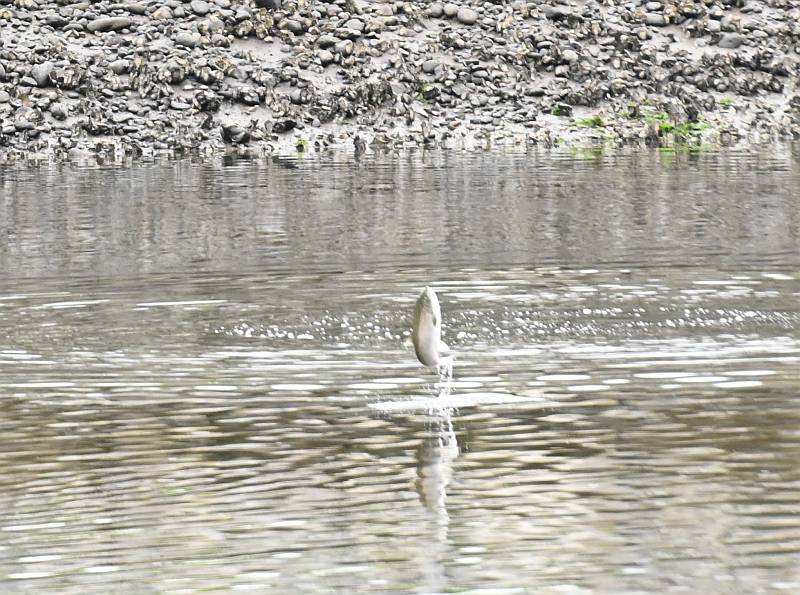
(132, 78)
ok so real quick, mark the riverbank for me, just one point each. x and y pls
(136, 78)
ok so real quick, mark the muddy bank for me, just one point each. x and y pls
(133, 78)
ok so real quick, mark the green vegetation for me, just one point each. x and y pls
(727, 102)
(561, 110)
(593, 122)
(687, 130)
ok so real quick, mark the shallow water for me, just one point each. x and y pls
(205, 384)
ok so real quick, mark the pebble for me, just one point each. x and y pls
(187, 39)
(109, 24)
(200, 7)
(41, 74)
(435, 10)
(731, 41)
(56, 21)
(467, 16)
(450, 10)
(570, 56)
(120, 66)
(162, 13)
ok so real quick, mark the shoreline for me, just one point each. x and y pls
(210, 77)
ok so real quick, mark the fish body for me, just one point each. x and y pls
(426, 332)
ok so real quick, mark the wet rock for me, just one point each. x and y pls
(56, 21)
(557, 13)
(467, 16)
(284, 125)
(206, 101)
(731, 41)
(109, 24)
(269, 4)
(294, 26)
(41, 73)
(4, 96)
(235, 134)
(26, 118)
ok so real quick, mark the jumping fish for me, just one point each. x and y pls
(426, 333)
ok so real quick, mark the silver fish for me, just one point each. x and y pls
(426, 332)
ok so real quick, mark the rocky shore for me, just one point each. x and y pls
(202, 76)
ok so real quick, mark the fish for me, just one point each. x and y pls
(426, 332)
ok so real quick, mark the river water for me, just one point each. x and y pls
(206, 385)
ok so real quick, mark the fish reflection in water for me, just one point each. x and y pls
(435, 470)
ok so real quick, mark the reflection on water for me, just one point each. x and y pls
(205, 384)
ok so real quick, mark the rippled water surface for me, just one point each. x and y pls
(206, 385)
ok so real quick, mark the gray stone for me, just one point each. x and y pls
(345, 48)
(4, 97)
(120, 66)
(109, 24)
(557, 13)
(570, 56)
(269, 4)
(56, 21)
(187, 39)
(294, 26)
(654, 6)
(58, 111)
(429, 66)
(713, 26)
(327, 41)
(325, 57)
(137, 8)
(200, 7)
(355, 24)
(450, 10)
(467, 16)
(731, 41)
(162, 13)
(655, 20)
(435, 10)
(41, 73)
